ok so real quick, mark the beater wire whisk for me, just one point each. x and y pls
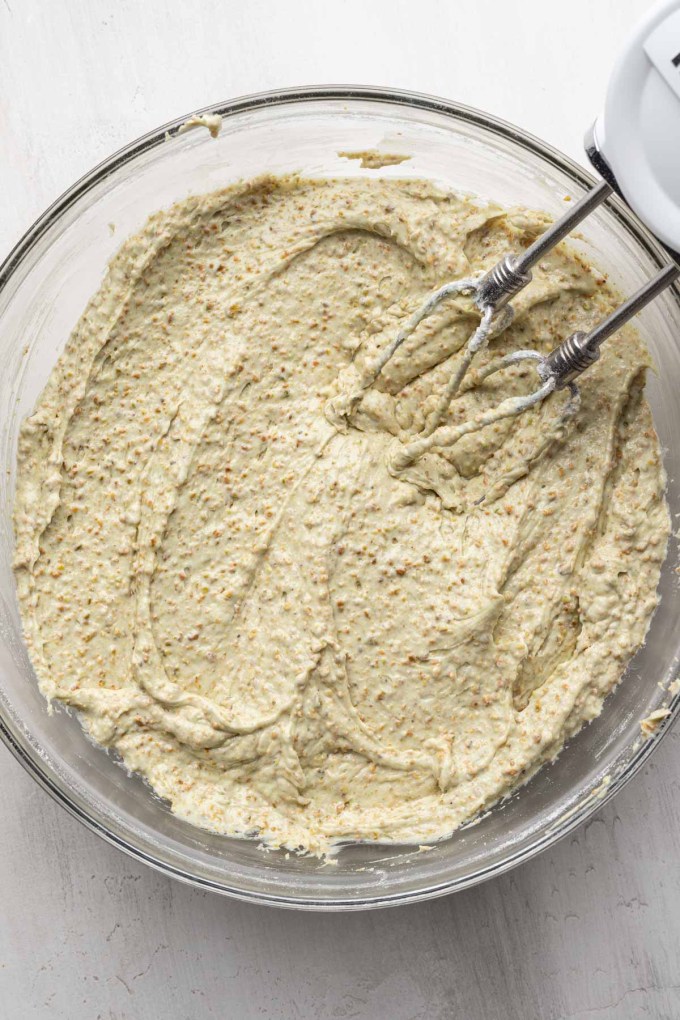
(491, 294)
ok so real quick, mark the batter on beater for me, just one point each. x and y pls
(225, 567)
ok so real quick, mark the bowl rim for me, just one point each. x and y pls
(11, 734)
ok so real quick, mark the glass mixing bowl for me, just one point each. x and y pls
(44, 286)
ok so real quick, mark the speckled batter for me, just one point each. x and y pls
(284, 635)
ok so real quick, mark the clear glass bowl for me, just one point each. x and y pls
(44, 286)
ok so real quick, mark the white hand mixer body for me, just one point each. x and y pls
(635, 147)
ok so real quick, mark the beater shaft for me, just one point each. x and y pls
(580, 350)
(513, 272)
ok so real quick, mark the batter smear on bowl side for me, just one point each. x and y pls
(235, 588)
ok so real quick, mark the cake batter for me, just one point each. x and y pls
(220, 568)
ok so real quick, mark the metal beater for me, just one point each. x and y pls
(638, 160)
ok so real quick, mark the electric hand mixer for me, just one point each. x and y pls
(635, 147)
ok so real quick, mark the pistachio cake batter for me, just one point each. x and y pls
(219, 565)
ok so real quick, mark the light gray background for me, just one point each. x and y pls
(590, 929)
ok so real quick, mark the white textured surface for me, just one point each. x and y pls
(591, 928)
